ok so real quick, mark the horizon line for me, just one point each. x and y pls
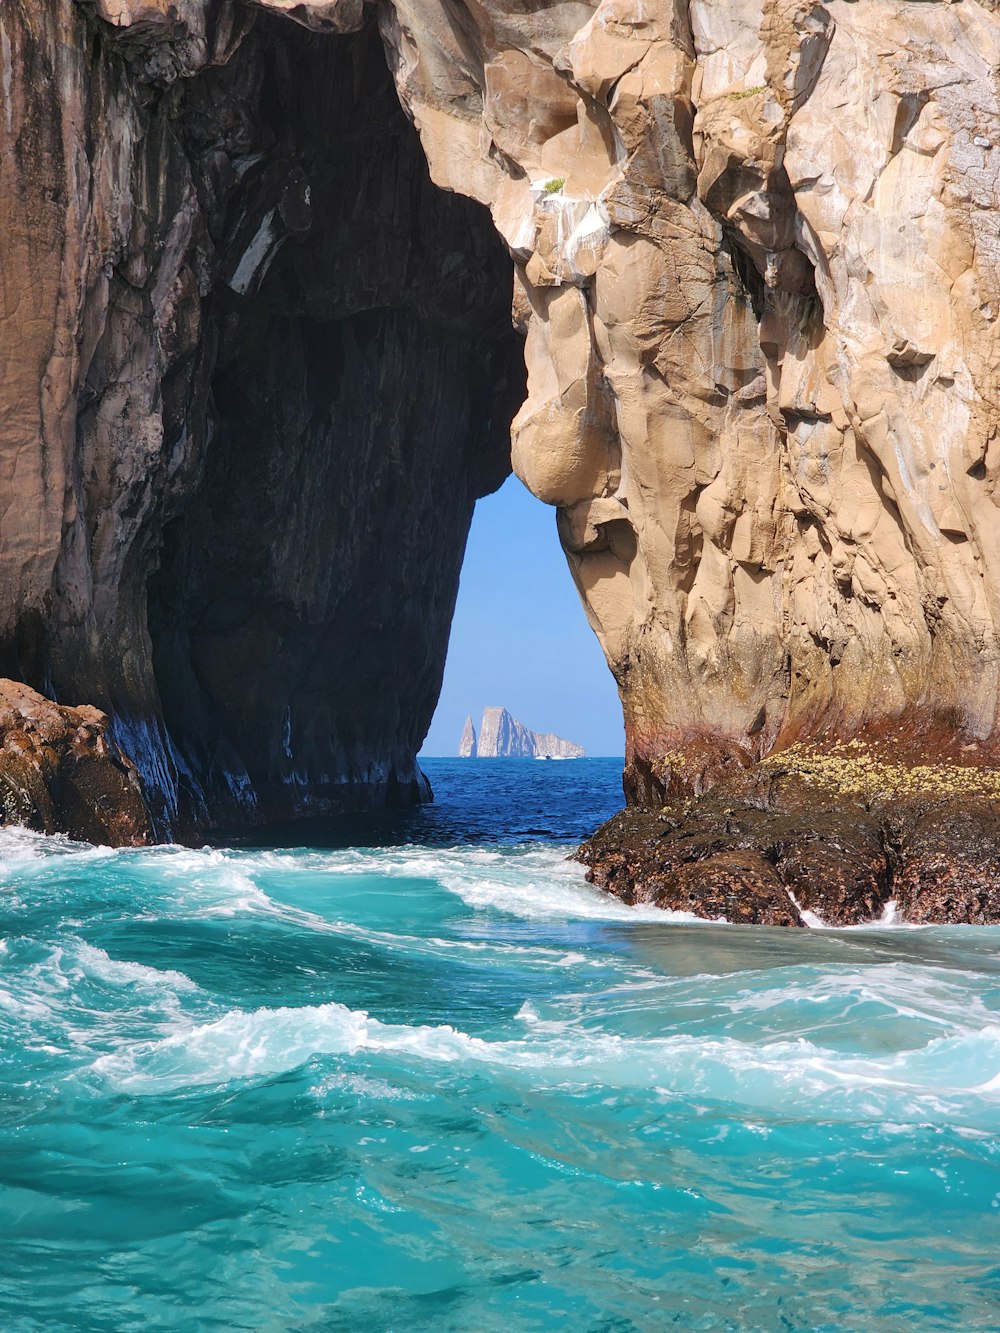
(532, 758)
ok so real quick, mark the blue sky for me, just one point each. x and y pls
(520, 639)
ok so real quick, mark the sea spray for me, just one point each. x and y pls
(450, 1085)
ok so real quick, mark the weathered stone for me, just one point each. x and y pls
(256, 369)
(739, 887)
(948, 863)
(503, 737)
(847, 834)
(468, 746)
(756, 262)
(707, 867)
(61, 772)
(758, 253)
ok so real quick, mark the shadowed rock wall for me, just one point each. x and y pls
(362, 394)
(255, 372)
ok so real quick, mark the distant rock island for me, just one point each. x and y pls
(503, 737)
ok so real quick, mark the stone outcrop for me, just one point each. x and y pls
(255, 369)
(501, 736)
(61, 772)
(757, 261)
(757, 264)
(836, 835)
(468, 746)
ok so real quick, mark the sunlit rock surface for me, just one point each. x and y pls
(468, 746)
(501, 736)
(61, 771)
(757, 263)
(757, 260)
(831, 834)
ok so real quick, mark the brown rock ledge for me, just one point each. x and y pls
(837, 832)
(61, 772)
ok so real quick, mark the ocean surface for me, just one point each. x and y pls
(418, 1075)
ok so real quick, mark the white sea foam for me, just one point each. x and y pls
(782, 1077)
(205, 881)
(20, 844)
(95, 962)
(940, 997)
(63, 967)
(23, 849)
(56, 999)
(891, 919)
(537, 884)
(431, 945)
(366, 1089)
(528, 882)
(811, 919)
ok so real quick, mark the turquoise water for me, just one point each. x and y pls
(446, 1085)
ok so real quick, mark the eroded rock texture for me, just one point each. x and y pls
(757, 259)
(255, 371)
(62, 772)
(501, 736)
(829, 834)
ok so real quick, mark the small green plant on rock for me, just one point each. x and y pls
(554, 186)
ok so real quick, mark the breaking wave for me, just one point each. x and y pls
(454, 1087)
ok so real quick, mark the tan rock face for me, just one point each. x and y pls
(502, 736)
(61, 772)
(320, 15)
(758, 263)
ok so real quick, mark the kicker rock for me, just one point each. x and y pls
(503, 737)
(467, 746)
(757, 261)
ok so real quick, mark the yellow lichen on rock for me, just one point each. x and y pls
(855, 768)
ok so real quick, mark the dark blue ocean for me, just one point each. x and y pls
(417, 1075)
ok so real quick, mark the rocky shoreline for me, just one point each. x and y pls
(61, 771)
(837, 835)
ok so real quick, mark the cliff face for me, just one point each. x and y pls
(256, 368)
(255, 371)
(468, 745)
(757, 261)
(501, 736)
